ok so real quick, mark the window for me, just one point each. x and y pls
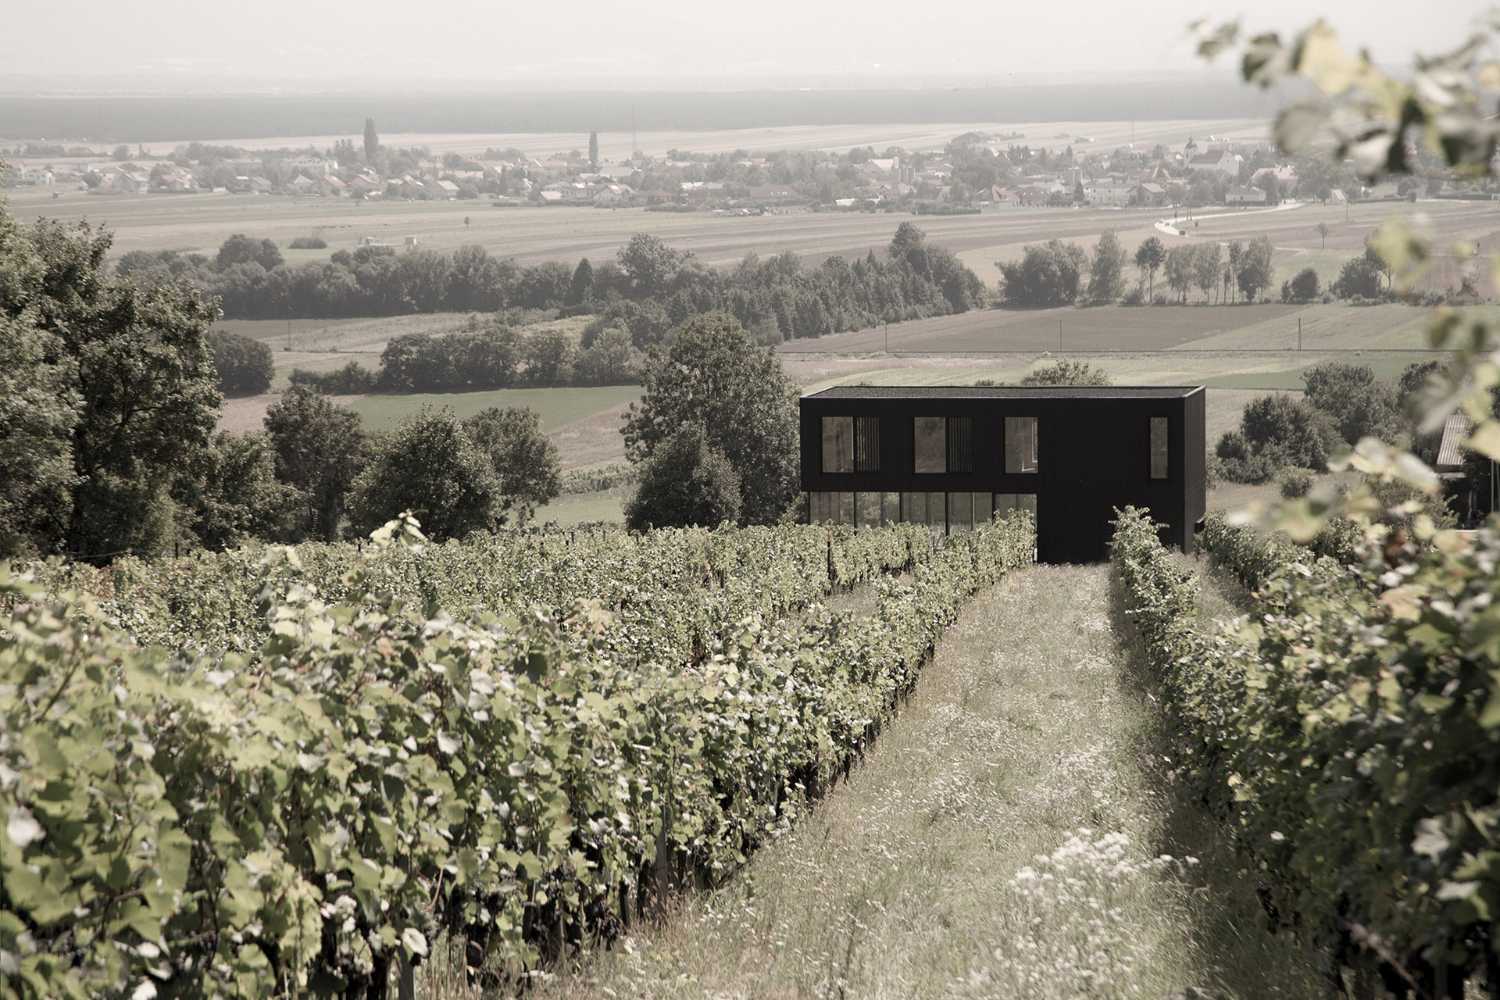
(890, 508)
(930, 437)
(867, 510)
(960, 444)
(960, 511)
(838, 444)
(844, 508)
(851, 444)
(830, 508)
(1007, 502)
(925, 508)
(1160, 455)
(1020, 444)
(984, 508)
(867, 444)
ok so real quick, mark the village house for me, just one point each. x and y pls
(1220, 161)
(1150, 194)
(1245, 195)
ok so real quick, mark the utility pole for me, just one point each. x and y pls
(1299, 333)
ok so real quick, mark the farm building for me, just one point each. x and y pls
(951, 456)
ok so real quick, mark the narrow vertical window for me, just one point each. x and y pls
(820, 507)
(984, 508)
(960, 444)
(937, 513)
(866, 444)
(838, 444)
(960, 511)
(1160, 454)
(844, 514)
(890, 508)
(1020, 444)
(1007, 502)
(913, 508)
(931, 451)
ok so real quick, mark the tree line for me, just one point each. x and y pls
(486, 354)
(1058, 274)
(648, 288)
(109, 397)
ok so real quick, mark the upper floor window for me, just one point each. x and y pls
(930, 435)
(1160, 454)
(851, 444)
(1020, 444)
(943, 444)
(838, 444)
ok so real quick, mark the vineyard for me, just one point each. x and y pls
(289, 771)
(1347, 733)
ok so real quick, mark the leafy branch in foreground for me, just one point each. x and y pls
(1369, 116)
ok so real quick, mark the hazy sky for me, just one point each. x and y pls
(291, 41)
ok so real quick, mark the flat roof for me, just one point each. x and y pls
(1005, 392)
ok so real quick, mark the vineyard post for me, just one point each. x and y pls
(406, 987)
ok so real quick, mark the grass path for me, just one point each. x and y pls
(1004, 839)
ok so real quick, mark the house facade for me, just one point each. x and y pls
(951, 457)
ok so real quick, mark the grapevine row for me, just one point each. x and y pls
(297, 819)
(1349, 734)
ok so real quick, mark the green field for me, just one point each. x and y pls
(557, 407)
(585, 508)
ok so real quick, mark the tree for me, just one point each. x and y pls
(431, 467)
(594, 150)
(1107, 273)
(1323, 230)
(1359, 404)
(1302, 288)
(609, 360)
(39, 408)
(713, 375)
(649, 265)
(319, 449)
(524, 461)
(1235, 259)
(244, 365)
(1206, 264)
(1276, 431)
(134, 383)
(581, 288)
(242, 249)
(1180, 270)
(1067, 373)
(1149, 257)
(548, 358)
(1254, 273)
(1046, 275)
(231, 493)
(685, 482)
(372, 141)
(1377, 261)
(1271, 185)
(1359, 278)
(121, 153)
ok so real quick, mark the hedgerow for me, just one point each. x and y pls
(296, 818)
(1348, 733)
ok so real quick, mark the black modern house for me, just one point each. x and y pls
(951, 456)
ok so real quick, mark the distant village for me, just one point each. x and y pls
(974, 172)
